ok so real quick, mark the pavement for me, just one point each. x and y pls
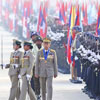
(63, 89)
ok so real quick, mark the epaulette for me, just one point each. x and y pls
(52, 50)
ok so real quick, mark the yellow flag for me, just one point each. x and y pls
(73, 18)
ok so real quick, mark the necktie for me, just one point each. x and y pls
(25, 53)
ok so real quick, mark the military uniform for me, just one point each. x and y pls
(27, 61)
(14, 70)
(34, 51)
(74, 47)
(46, 69)
(36, 80)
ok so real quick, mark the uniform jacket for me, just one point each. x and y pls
(47, 68)
(27, 62)
(15, 58)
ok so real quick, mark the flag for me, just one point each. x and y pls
(77, 20)
(85, 19)
(62, 16)
(39, 18)
(71, 25)
(42, 24)
(98, 23)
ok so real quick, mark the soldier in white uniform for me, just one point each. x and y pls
(34, 51)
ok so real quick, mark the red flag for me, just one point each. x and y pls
(85, 19)
(39, 19)
(98, 23)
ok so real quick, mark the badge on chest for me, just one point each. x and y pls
(14, 60)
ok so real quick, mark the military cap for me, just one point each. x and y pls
(33, 33)
(47, 40)
(39, 38)
(28, 44)
(16, 42)
(77, 28)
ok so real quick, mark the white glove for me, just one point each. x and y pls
(28, 77)
(3, 65)
(15, 65)
(19, 76)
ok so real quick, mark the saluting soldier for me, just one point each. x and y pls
(46, 68)
(14, 70)
(26, 72)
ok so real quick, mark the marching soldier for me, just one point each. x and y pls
(36, 80)
(34, 51)
(26, 72)
(14, 70)
(46, 69)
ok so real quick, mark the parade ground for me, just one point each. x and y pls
(63, 89)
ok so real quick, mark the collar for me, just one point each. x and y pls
(27, 51)
(16, 51)
(46, 50)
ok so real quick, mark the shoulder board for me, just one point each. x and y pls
(52, 50)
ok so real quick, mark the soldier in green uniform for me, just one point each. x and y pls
(46, 68)
(27, 61)
(14, 70)
(34, 51)
(38, 42)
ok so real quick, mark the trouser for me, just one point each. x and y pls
(46, 86)
(26, 87)
(36, 83)
(15, 90)
(73, 71)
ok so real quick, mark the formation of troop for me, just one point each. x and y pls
(35, 67)
(89, 56)
(86, 61)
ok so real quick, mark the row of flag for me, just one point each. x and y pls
(15, 10)
(75, 20)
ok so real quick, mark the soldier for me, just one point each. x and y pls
(46, 68)
(36, 80)
(14, 69)
(26, 71)
(74, 47)
(34, 51)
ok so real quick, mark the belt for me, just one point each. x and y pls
(25, 66)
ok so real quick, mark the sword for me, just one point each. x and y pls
(1, 51)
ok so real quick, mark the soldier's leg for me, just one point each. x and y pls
(14, 87)
(18, 91)
(75, 73)
(71, 71)
(43, 87)
(36, 85)
(49, 88)
(31, 93)
(24, 88)
(32, 79)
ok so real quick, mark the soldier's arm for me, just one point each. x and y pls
(55, 65)
(31, 61)
(8, 65)
(37, 65)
